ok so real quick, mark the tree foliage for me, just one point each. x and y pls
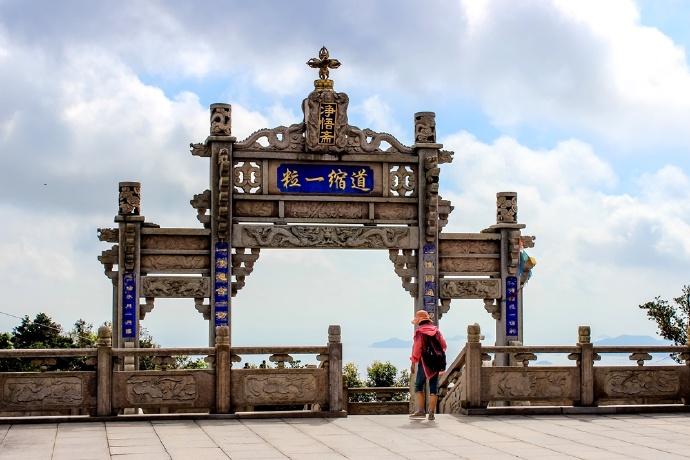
(381, 374)
(671, 319)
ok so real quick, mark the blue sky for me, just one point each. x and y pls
(582, 107)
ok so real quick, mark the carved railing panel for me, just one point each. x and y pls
(190, 389)
(654, 384)
(530, 383)
(257, 387)
(50, 391)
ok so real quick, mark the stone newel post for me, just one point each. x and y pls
(473, 360)
(586, 366)
(223, 372)
(335, 369)
(105, 371)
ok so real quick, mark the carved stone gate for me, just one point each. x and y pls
(321, 183)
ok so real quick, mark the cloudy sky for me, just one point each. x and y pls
(582, 107)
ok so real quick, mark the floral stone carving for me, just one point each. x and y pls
(471, 289)
(642, 383)
(46, 390)
(182, 287)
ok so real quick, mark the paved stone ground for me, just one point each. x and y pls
(358, 437)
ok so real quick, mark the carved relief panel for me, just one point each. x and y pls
(264, 386)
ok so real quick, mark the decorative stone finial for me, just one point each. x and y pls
(506, 208)
(221, 120)
(130, 198)
(474, 333)
(323, 63)
(222, 335)
(334, 333)
(425, 128)
(584, 334)
(105, 336)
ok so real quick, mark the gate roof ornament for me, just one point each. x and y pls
(323, 63)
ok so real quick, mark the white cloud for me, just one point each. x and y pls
(600, 253)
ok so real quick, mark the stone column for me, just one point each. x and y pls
(220, 143)
(129, 220)
(427, 189)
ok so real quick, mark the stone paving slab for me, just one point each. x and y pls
(361, 437)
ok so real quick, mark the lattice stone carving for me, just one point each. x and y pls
(246, 177)
(223, 194)
(402, 181)
(405, 263)
(202, 203)
(243, 261)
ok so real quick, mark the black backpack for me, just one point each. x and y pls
(432, 353)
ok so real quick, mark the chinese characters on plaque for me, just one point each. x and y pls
(221, 285)
(429, 259)
(325, 179)
(512, 328)
(327, 112)
(129, 306)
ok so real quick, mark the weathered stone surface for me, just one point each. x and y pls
(245, 208)
(458, 247)
(36, 392)
(305, 236)
(470, 288)
(175, 242)
(469, 265)
(182, 287)
(221, 119)
(425, 128)
(506, 208)
(130, 199)
(167, 263)
(395, 211)
(326, 210)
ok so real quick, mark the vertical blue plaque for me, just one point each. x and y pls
(129, 306)
(221, 286)
(512, 327)
(429, 259)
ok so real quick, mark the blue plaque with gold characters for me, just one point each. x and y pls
(221, 285)
(512, 318)
(325, 179)
(129, 306)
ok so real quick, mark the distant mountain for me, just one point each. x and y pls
(393, 342)
(632, 340)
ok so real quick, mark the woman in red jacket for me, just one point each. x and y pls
(424, 328)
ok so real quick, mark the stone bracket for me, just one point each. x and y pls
(405, 263)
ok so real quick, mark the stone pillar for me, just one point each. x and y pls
(473, 366)
(335, 369)
(105, 371)
(223, 371)
(129, 220)
(427, 189)
(220, 143)
(586, 363)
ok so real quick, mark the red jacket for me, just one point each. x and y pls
(430, 330)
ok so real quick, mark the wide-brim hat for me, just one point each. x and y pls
(421, 315)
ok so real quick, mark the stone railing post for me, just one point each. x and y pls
(335, 369)
(586, 366)
(222, 368)
(473, 366)
(104, 371)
